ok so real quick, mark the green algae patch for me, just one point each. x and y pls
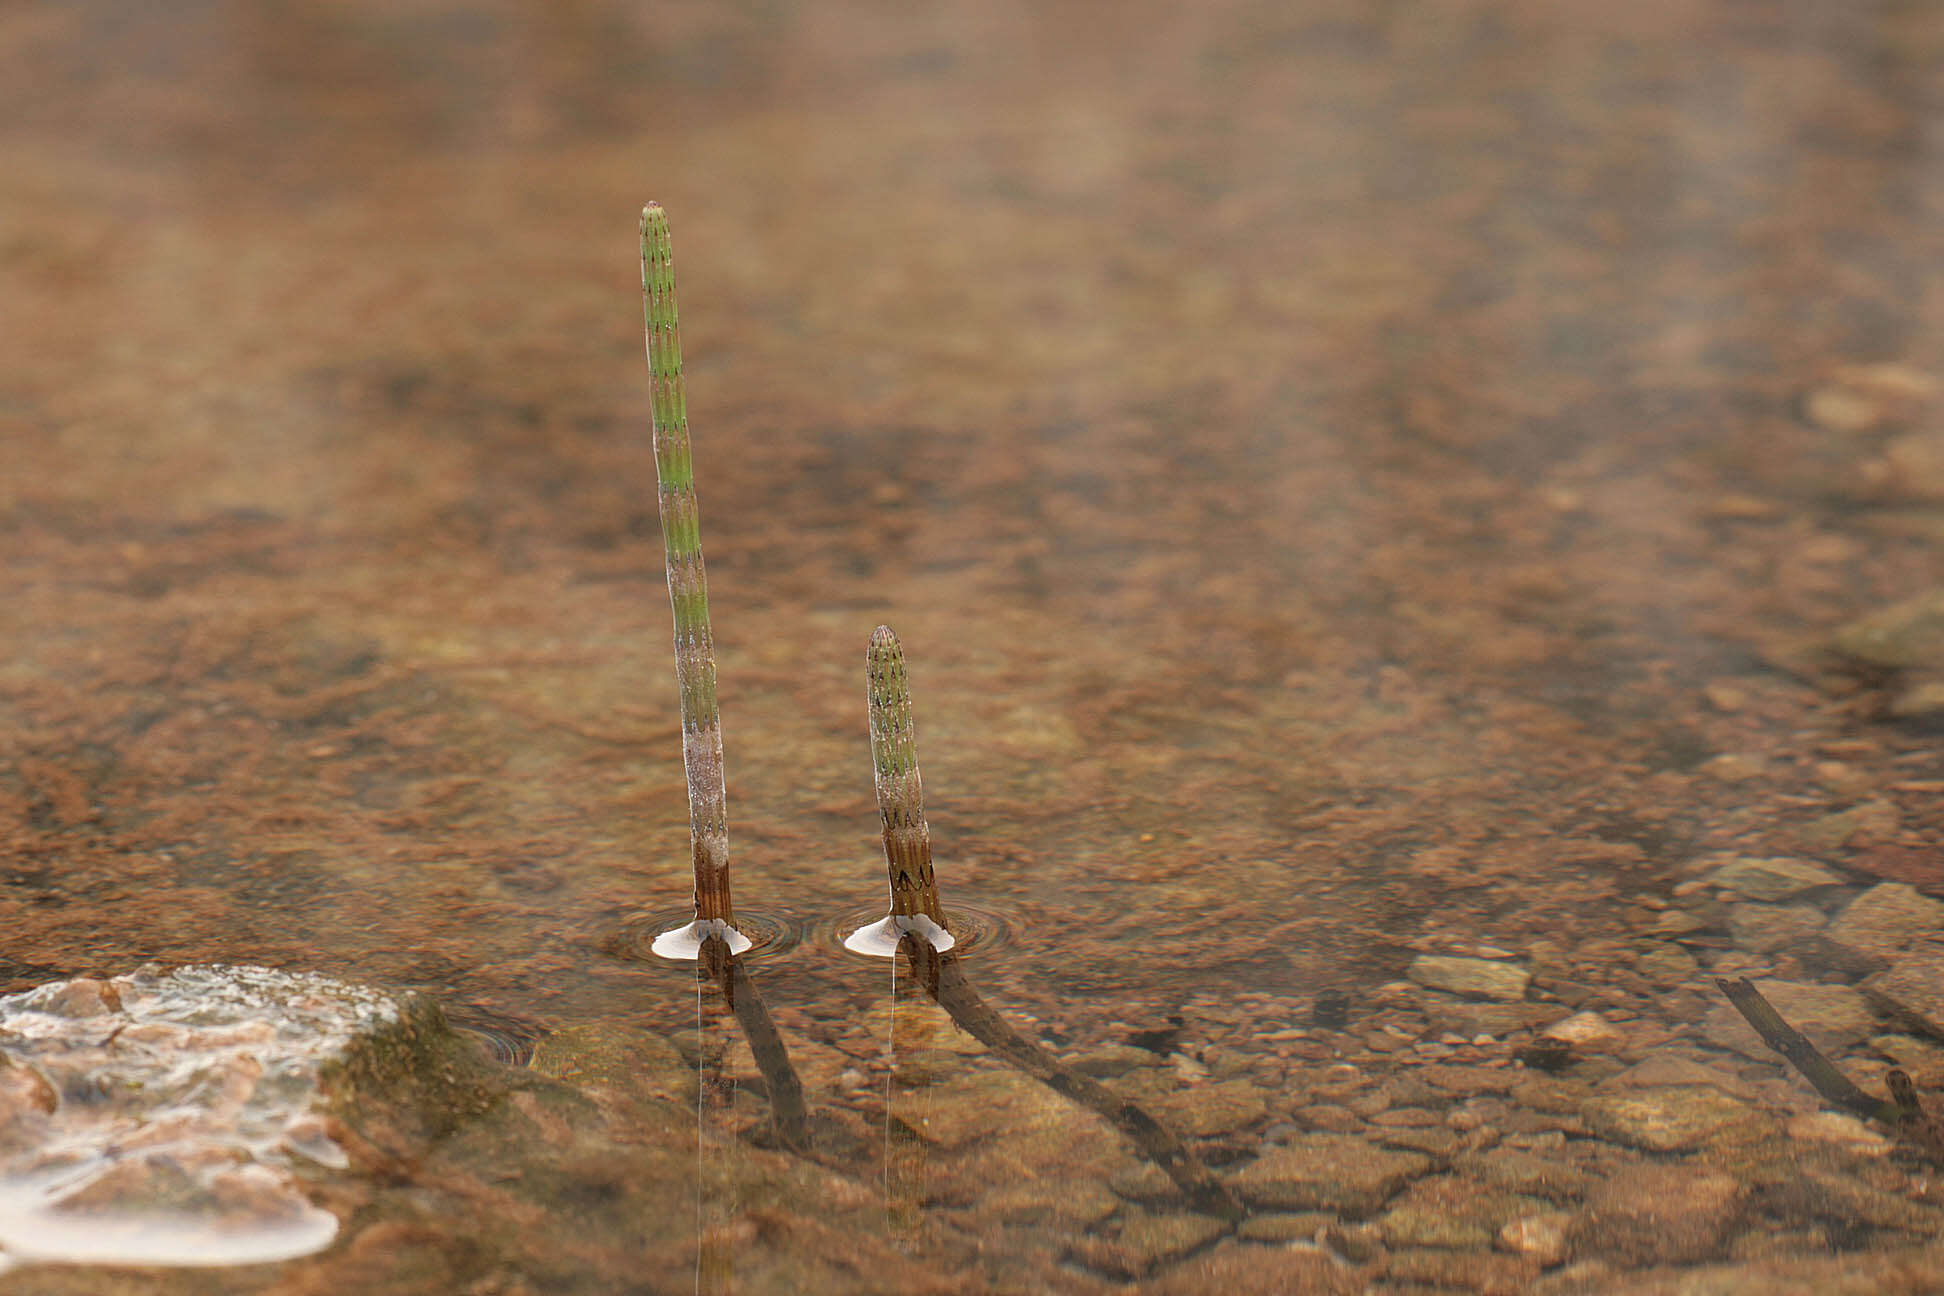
(414, 1081)
(616, 1055)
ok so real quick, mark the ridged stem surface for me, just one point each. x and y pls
(900, 791)
(688, 588)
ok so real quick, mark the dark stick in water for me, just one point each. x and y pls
(1902, 1111)
(942, 979)
(1795, 1046)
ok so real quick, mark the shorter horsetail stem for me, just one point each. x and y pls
(688, 589)
(900, 791)
(901, 810)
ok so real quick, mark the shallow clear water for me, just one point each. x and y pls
(1353, 483)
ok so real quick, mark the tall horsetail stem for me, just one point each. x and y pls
(900, 791)
(688, 588)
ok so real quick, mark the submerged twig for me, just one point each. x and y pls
(688, 589)
(1795, 1046)
(1902, 1111)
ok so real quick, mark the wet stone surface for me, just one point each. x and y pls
(1659, 1213)
(1882, 923)
(1347, 1175)
(1912, 988)
(160, 1117)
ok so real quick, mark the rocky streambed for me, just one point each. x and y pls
(1544, 1119)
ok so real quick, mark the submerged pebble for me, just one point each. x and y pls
(1912, 989)
(1882, 923)
(1477, 978)
(1672, 1119)
(1904, 636)
(1773, 879)
(1329, 1172)
(1662, 1213)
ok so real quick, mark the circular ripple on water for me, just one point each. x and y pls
(507, 1040)
(977, 929)
(772, 933)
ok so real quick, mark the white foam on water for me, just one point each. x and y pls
(31, 1232)
(880, 939)
(684, 944)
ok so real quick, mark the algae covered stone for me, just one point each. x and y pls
(615, 1055)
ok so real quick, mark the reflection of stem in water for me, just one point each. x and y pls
(939, 973)
(723, 973)
(907, 1105)
(715, 1100)
(688, 590)
(765, 1041)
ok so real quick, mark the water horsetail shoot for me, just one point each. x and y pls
(915, 928)
(688, 593)
(901, 809)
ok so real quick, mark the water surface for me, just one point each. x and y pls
(1353, 482)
